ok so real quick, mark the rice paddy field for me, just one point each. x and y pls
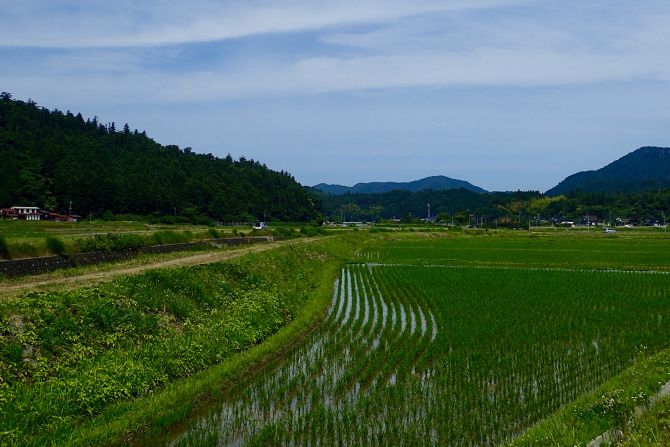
(461, 340)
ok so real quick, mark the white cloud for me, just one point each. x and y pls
(124, 23)
(453, 49)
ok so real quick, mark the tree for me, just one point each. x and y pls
(375, 212)
(350, 211)
(50, 158)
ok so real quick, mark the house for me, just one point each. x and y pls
(8, 213)
(590, 219)
(55, 217)
(353, 224)
(25, 213)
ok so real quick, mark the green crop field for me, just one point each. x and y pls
(459, 340)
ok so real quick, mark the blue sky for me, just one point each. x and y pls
(507, 94)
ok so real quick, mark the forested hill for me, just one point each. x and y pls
(437, 183)
(399, 203)
(50, 158)
(647, 168)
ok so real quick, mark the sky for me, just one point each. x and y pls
(506, 94)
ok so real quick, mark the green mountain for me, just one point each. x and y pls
(647, 168)
(51, 158)
(437, 183)
(400, 204)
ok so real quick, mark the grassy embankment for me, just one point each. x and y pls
(611, 406)
(21, 239)
(652, 429)
(104, 364)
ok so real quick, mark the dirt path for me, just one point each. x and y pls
(41, 283)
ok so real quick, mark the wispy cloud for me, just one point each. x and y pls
(129, 23)
(324, 75)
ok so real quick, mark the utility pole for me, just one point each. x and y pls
(665, 226)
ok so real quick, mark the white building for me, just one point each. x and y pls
(27, 212)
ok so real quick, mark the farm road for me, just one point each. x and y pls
(47, 282)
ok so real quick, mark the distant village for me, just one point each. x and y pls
(34, 213)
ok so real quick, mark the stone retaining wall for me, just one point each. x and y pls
(35, 266)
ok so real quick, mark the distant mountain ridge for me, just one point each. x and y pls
(643, 169)
(437, 183)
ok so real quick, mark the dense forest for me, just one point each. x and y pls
(52, 158)
(510, 208)
(644, 169)
(436, 182)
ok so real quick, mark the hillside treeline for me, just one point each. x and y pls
(51, 158)
(640, 207)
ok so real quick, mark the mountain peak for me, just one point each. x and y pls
(645, 168)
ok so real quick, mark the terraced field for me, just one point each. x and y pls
(431, 351)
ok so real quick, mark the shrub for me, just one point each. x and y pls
(202, 220)
(24, 250)
(284, 232)
(55, 245)
(170, 237)
(4, 248)
(111, 242)
(12, 352)
(312, 231)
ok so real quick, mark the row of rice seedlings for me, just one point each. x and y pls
(618, 253)
(328, 376)
(506, 388)
(411, 355)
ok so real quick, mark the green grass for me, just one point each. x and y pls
(115, 350)
(29, 239)
(23, 239)
(651, 429)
